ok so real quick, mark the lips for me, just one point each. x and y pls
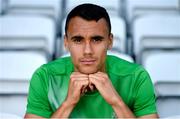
(87, 61)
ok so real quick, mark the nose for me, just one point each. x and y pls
(88, 48)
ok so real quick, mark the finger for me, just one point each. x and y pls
(80, 84)
(101, 74)
(102, 77)
(78, 74)
(83, 85)
(93, 79)
(84, 88)
(95, 76)
(91, 87)
(98, 81)
(80, 78)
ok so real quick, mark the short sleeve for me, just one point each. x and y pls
(145, 100)
(38, 103)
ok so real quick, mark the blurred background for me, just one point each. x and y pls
(146, 32)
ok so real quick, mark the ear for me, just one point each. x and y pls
(66, 43)
(110, 43)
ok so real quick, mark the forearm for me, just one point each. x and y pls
(63, 111)
(122, 110)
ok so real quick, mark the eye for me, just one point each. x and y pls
(97, 39)
(77, 40)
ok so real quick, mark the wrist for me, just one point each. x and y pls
(122, 110)
(118, 102)
(68, 104)
(64, 110)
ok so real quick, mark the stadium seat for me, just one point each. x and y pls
(121, 55)
(173, 117)
(163, 65)
(19, 65)
(49, 8)
(164, 69)
(27, 33)
(119, 32)
(155, 32)
(16, 70)
(137, 8)
(114, 7)
(3, 6)
(168, 99)
(9, 116)
(13, 103)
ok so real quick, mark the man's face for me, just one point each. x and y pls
(88, 42)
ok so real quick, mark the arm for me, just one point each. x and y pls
(106, 89)
(77, 86)
(78, 83)
(121, 109)
(63, 111)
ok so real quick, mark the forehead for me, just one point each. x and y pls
(78, 24)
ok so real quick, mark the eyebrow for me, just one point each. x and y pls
(76, 37)
(92, 37)
(97, 37)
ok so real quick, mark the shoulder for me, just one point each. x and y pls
(56, 67)
(122, 67)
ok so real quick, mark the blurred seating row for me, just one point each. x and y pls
(58, 9)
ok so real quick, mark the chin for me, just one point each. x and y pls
(88, 71)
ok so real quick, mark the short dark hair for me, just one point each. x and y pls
(88, 12)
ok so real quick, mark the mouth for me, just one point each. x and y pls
(87, 61)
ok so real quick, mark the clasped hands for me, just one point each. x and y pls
(79, 83)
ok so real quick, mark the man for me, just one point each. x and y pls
(89, 83)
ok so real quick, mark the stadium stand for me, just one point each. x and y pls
(18, 67)
(49, 8)
(9, 116)
(114, 7)
(163, 65)
(164, 69)
(155, 32)
(26, 43)
(3, 6)
(168, 99)
(137, 8)
(44, 8)
(121, 55)
(27, 32)
(119, 34)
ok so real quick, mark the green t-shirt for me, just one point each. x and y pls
(49, 87)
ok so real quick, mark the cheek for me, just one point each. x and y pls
(75, 53)
(101, 54)
(101, 50)
(74, 58)
(75, 50)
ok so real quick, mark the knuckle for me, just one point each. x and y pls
(75, 83)
(103, 81)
